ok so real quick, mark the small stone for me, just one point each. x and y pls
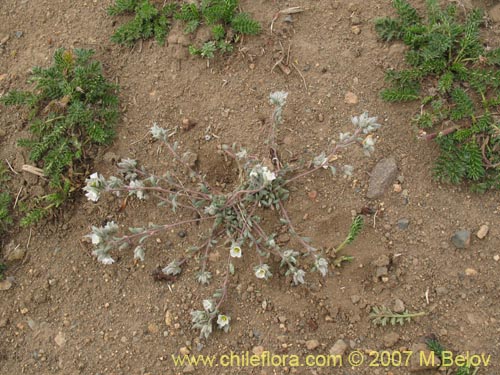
(5, 285)
(351, 98)
(381, 271)
(24, 311)
(184, 351)
(283, 238)
(4, 38)
(355, 20)
(355, 299)
(356, 30)
(461, 239)
(189, 369)
(338, 348)
(397, 188)
(153, 328)
(187, 124)
(496, 257)
(60, 340)
(312, 344)
(312, 195)
(181, 233)
(399, 306)
(168, 318)
(288, 19)
(483, 231)
(390, 339)
(258, 350)
(19, 34)
(14, 253)
(470, 272)
(403, 223)
(381, 177)
(382, 261)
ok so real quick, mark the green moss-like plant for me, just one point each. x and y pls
(71, 108)
(149, 21)
(457, 80)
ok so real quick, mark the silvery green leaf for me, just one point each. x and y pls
(123, 246)
(333, 170)
(139, 253)
(143, 238)
(135, 230)
(231, 268)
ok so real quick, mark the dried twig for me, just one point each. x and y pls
(291, 10)
(10, 167)
(33, 170)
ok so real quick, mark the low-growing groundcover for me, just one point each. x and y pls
(226, 22)
(456, 78)
(72, 107)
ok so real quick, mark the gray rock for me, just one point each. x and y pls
(384, 173)
(338, 348)
(461, 239)
(403, 223)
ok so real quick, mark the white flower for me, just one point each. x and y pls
(96, 239)
(278, 98)
(158, 133)
(208, 305)
(344, 136)
(223, 322)
(137, 186)
(139, 253)
(173, 268)
(268, 175)
(366, 123)
(298, 277)
(94, 185)
(368, 145)
(211, 210)
(321, 265)
(110, 227)
(262, 175)
(262, 271)
(348, 169)
(127, 164)
(242, 154)
(107, 260)
(235, 251)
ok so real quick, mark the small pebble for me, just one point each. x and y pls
(483, 231)
(181, 233)
(312, 344)
(351, 98)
